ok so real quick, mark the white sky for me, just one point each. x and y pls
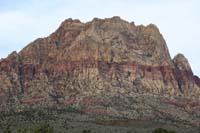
(178, 20)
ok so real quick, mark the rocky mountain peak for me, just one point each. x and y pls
(105, 66)
(114, 38)
(14, 54)
(153, 29)
(181, 63)
(70, 21)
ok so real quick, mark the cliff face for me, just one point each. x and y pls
(102, 63)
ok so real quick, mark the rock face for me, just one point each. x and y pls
(181, 63)
(102, 67)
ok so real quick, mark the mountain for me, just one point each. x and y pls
(105, 69)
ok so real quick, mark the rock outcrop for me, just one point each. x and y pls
(105, 66)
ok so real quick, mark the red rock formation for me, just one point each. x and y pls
(104, 56)
(111, 46)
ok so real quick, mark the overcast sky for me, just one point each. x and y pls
(22, 21)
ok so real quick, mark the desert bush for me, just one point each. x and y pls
(86, 131)
(46, 128)
(162, 130)
(7, 130)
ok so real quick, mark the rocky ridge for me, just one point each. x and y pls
(105, 67)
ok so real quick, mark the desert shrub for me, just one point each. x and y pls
(45, 128)
(7, 130)
(162, 130)
(132, 131)
(86, 131)
(171, 132)
(19, 131)
(24, 131)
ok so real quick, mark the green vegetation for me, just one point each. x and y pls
(43, 128)
(46, 128)
(161, 130)
(132, 131)
(7, 130)
(86, 131)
